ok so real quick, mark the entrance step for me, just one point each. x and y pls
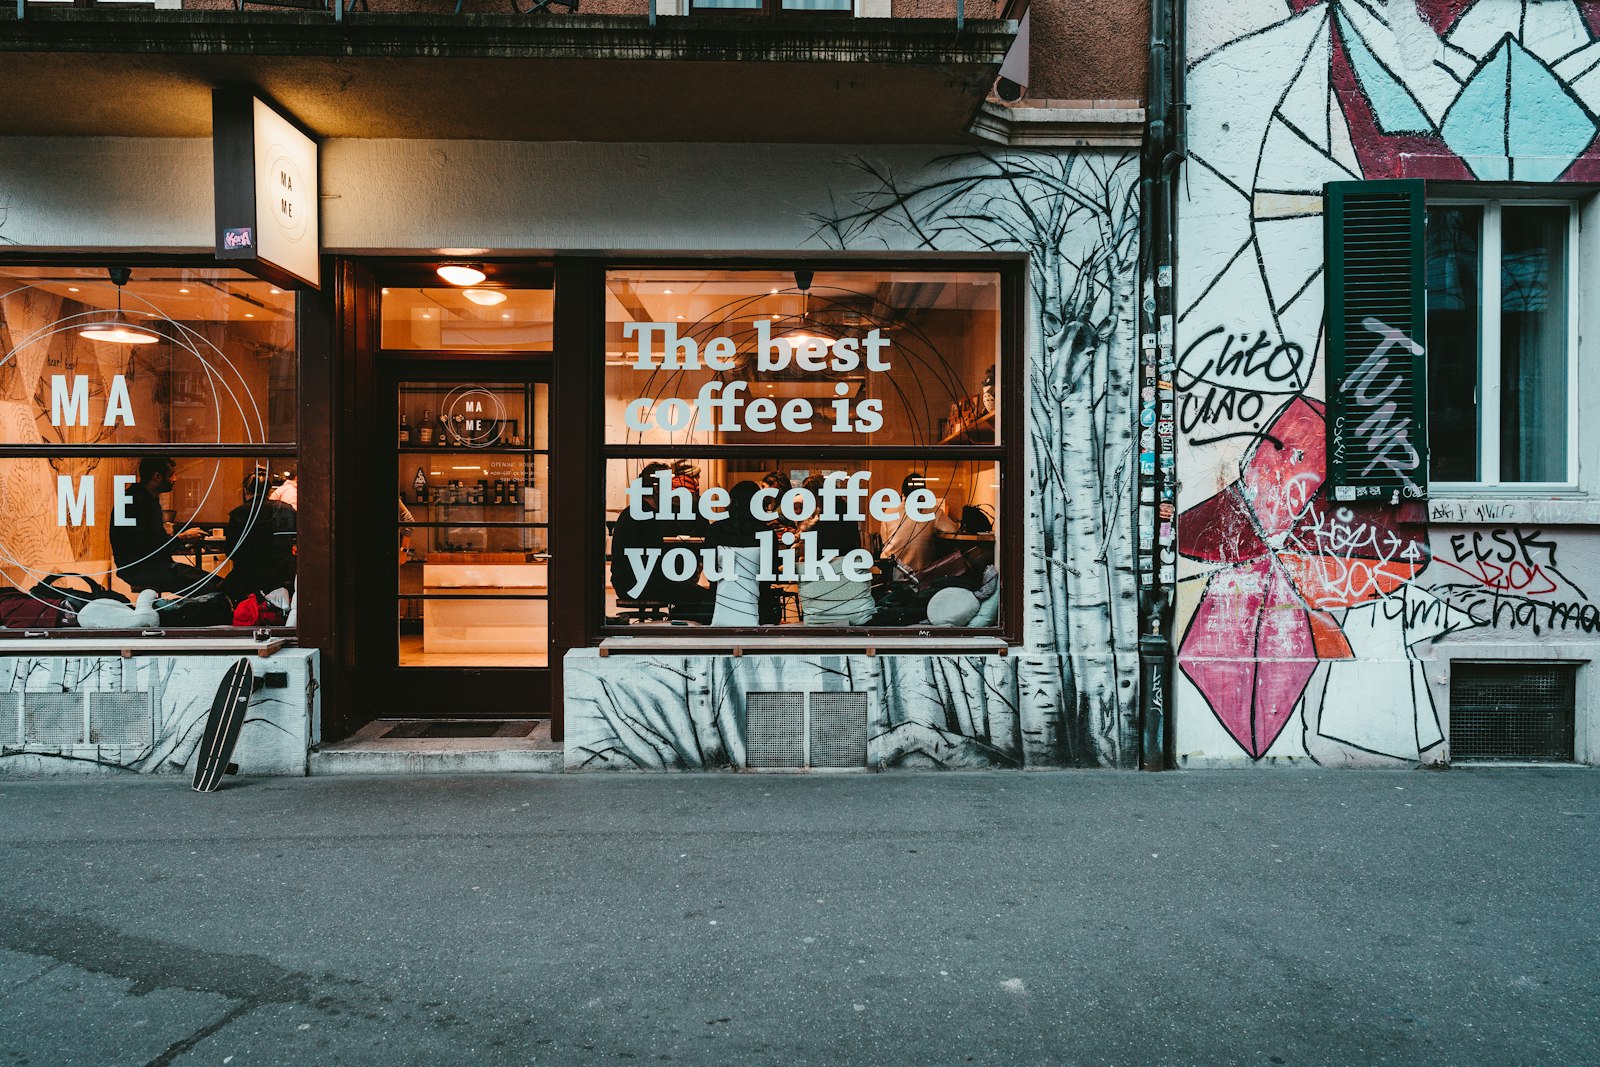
(443, 746)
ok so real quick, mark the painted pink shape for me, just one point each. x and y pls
(1250, 652)
(1285, 470)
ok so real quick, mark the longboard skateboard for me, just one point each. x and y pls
(222, 727)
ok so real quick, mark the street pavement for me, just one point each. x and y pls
(1275, 916)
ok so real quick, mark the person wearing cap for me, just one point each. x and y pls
(260, 542)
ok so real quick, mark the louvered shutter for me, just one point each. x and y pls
(1377, 319)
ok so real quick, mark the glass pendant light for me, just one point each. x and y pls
(117, 330)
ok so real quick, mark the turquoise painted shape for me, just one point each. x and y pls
(1475, 126)
(1549, 129)
(1514, 119)
(1392, 104)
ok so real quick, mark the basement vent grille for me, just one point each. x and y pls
(776, 730)
(1512, 711)
(52, 719)
(122, 718)
(794, 731)
(838, 730)
(11, 716)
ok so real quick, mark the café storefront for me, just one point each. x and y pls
(743, 457)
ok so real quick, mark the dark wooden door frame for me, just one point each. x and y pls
(361, 429)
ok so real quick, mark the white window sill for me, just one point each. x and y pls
(1498, 507)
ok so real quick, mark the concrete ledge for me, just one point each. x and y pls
(438, 757)
(1099, 127)
(1474, 510)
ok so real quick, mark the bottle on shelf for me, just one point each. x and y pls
(444, 430)
(419, 485)
(425, 428)
(405, 429)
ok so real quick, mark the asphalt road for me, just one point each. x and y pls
(1273, 917)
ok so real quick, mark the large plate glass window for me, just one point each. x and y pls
(1502, 342)
(147, 442)
(821, 448)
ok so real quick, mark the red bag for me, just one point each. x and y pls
(24, 611)
(257, 610)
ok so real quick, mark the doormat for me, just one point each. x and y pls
(462, 728)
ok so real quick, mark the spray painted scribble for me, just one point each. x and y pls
(1292, 605)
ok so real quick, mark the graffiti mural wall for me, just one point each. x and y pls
(147, 714)
(1305, 628)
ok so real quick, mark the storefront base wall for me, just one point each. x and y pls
(158, 717)
(688, 713)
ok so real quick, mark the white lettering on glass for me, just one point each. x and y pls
(74, 508)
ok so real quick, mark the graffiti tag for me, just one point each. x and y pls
(1381, 430)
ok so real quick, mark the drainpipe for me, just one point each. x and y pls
(1163, 154)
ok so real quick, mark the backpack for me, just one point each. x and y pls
(25, 611)
(50, 587)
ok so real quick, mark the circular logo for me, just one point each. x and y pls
(288, 193)
(474, 415)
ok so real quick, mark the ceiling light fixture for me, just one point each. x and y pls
(117, 330)
(485, 297)
(461, 273)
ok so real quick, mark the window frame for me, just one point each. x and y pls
(1487, 387)
(1008, 455)
(289, 450)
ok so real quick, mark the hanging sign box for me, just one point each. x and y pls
(267, 201)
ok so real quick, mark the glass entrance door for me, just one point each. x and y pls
(470, 588)
(472, 471)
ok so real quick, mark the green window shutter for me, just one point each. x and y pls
(1376, 338)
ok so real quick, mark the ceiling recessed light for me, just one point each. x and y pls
(183, 290)
(427, 315)
(680, 318)
(276, 291)
(72, 288)
(668, 292)
(461, 273)
(772, 292)
(249, 314)
(505, 314)
(386, 292)
(485, 297)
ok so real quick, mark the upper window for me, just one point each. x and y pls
(817, 448)
(1451, 342)
(147, 421)
(1501, 342)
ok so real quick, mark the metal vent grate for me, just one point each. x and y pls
(1512, 711)
(122, 718)
(11, 716)
(52, 719)
(775, 730)
(838, 729)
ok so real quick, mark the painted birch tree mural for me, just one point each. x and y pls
(1075, 215)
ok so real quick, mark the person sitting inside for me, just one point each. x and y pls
(143, 549)
(686, 599)
(260, 542)
(911, 541)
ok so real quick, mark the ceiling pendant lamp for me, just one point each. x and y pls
(461, 273)
(117, 330)
(485, 297)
